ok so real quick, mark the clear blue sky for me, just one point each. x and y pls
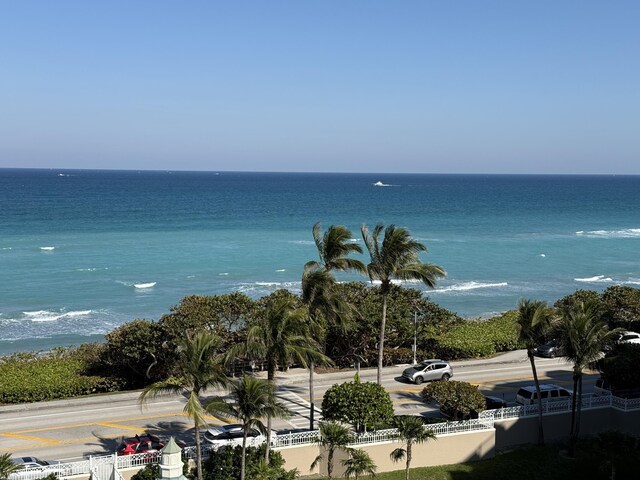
(344, 86)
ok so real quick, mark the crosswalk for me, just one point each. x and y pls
(300, 408)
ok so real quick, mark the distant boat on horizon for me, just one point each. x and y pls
(380, 184)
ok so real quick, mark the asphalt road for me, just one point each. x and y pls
(71, 429)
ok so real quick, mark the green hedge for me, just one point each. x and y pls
(28, 378)
(480, 338)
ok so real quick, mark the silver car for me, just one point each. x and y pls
(429, 370)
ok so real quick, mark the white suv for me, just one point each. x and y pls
(428, 370)
(549, 393)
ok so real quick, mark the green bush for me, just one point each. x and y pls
(224, 464)
(28, 378)
(479, 338)
(457, 400)
(364, 405)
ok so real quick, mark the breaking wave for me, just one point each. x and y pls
(595, 279)
(466, 286)
(625, 233)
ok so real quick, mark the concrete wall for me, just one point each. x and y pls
(521, 431)
(447, 449)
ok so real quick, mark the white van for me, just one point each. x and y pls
(549, 393)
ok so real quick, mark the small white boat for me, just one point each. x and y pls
(380, 184)
(145, 285)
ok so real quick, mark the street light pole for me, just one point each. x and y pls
(415, 336)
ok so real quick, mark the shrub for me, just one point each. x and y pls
(480, 338)
(457, 399)
(364, 405)
(28, 378)
(224, 464)
(619, 367)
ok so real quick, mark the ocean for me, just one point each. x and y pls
(83, 251)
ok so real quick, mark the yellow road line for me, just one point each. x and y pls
(28, 437)
(118, 426)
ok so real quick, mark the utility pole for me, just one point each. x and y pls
(415, 335)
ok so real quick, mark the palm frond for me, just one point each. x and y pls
(398, 454)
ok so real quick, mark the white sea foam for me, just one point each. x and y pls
(466, 286)
(624, 233)
(542, 255)
(281, 270)
(48, 316)
(268, 284)
(222, 274)
(144, 285)
(47, 249)
(302, 242)
(87, 269)
(595, 279)
(6, 248)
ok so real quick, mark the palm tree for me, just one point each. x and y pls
(396, 258)
(583, 335)
(358, 463)
(280, 337)
(534, 319)
(333, 436)
(410, 430)
(7, 467)
(198, 367)
(334, 247)
(318, 286)
(252, 399)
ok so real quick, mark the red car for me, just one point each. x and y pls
(140, 444)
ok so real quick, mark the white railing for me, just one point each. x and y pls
(297, 438)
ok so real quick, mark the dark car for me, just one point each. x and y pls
(491, 403)
(550, 349)
(139, 444)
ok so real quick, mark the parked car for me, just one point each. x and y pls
(493, 403)
(35, 464)
(231, 434)
(549, 393)
(629, 337)
(428, 370)
(601, 388)
(29, 462)
(550, 349)
(145, 443)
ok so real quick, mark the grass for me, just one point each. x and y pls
(530, 463)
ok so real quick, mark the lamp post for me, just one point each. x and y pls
(415, 335)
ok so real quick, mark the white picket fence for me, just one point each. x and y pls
(102, 466)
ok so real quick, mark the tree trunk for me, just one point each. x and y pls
(330, 463)
(382, 329)
(572, 437)
(271, 375)
(243, 459)
(408, 460)
(537, 382)
(312, 406)
(579, 400)
(198, 451)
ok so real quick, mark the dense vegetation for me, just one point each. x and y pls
(141, 352)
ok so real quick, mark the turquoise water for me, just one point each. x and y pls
(74, 244)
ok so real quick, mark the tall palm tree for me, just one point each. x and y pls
(318, 286)
(397, 257)
(333, 436)
(198, 367)
(583, 335)
(411, 430)
(359, 463)
(534, 320)
(279, 337)
(252, 399)
(334, 248)
(7, 467)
